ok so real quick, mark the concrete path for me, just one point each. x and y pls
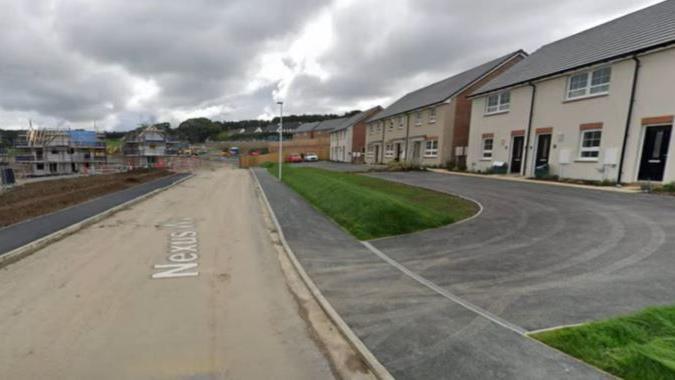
(20, 234)
(544, 256)
(416, 332)
(88, 307)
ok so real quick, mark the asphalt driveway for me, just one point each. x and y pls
(414, 330)
(542, 256)
(339, 166)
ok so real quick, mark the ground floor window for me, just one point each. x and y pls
(431, 148)
(389, 150)
(590, 144)
(487, 147)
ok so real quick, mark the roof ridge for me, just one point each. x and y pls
(604, 24)
(500, 59)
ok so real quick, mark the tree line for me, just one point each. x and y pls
(199, 130)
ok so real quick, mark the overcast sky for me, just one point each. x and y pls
(118, 63)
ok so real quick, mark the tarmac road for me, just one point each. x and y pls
(88, 307)
(543, 256)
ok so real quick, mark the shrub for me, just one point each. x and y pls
(401, 166)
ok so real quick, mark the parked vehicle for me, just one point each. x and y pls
(234, 151)
(294, 158)
(310, 157)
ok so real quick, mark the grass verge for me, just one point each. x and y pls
(639, 346)
(371, 208)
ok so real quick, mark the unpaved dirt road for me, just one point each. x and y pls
(88, 307)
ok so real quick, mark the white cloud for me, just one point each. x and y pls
(119, 63)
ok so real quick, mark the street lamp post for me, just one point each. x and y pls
(281, 136)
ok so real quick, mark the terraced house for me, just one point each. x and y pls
(430, 126)
(347, 142)
(598, 105)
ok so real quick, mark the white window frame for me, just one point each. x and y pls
(391, 125)
(418, 118)
(487, 154)
(594, 149)
(589, 89)
(389, 150)
(401, 122)
(431, 151)
(503, 103)
(432, 115)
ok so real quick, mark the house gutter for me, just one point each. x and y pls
(407, 135)
(631, 105)
(384, 129)
(650, 49)
(529, 129)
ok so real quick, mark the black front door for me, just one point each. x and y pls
(543, 150)
(517, 154)
(654, 153)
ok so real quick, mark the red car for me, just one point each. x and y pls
(294, 158)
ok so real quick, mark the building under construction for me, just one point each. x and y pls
(149, 147)
(42, 152)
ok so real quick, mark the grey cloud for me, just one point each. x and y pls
(437, 38)
(71, 60)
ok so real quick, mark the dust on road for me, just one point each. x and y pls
(87, 307)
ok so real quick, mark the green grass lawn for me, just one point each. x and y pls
(639, 346)
(371, 208)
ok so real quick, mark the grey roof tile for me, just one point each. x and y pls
(357, 118)
(641, 30)
(440, 91)
(329, 125)
(306, 127)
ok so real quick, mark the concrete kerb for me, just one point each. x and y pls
(375, 366)
(536, 182)
(30, 248)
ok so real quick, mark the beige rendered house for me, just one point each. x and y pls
(598, 105)
(347, 142)
(430, 126)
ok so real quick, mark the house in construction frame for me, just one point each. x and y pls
(148, 147)
(42, 152)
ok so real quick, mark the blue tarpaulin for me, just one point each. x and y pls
(84, 138)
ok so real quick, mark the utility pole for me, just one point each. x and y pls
(281, 136)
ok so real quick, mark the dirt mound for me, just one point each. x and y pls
(39, 198)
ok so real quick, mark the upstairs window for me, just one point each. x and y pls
(401, 121)
(589, 83)
(432, 115)
(418, 118)
(391, 125)
(498, 103)
(590, 144)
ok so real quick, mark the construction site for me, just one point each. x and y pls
(42, 152)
